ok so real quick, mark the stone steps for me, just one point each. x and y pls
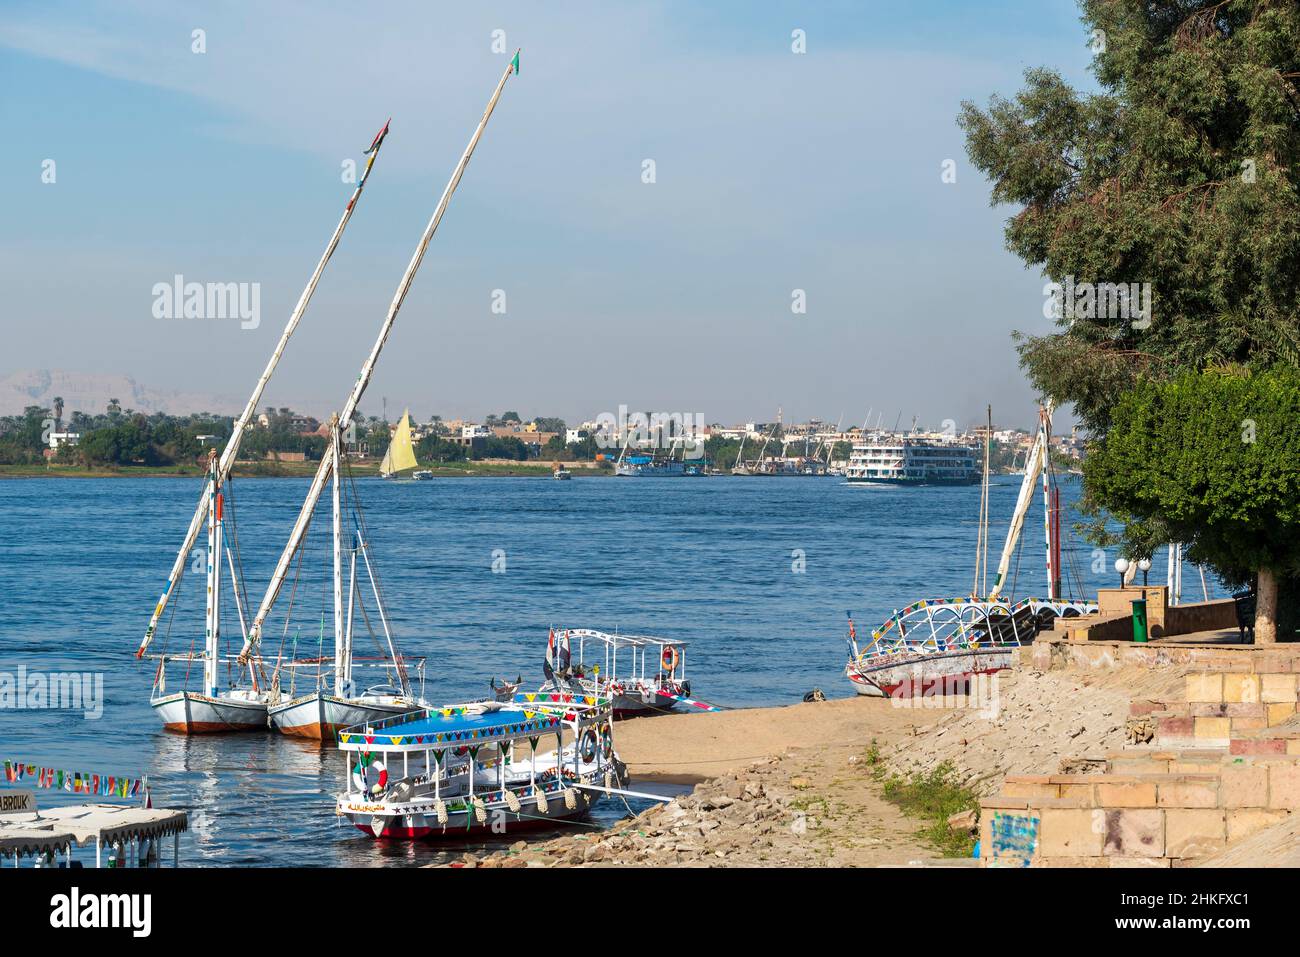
(1218, 769)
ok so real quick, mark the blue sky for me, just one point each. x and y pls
(775, 172)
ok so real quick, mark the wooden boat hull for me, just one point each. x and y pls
(385, 823)
(187, 712)
(929, 674)
(633, 705)
(319, 716)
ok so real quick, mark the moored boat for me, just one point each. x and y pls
(315, 710)
(641, 675)
(483, 767)
(319, 714)
(189, 712)
(236, 707)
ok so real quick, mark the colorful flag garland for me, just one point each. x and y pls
(77, 782)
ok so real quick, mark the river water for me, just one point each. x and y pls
(757, 574)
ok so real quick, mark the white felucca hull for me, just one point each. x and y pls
(320, 716)
(187, 712)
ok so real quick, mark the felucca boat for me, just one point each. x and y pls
(400, 456)
(318, 713)
(239, 703)
(936, 645)
(333, 700)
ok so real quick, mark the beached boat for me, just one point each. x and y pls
(641, 675)
(483, 767)
(937, 645)
(235, 706)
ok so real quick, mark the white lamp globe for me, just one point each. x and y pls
(1144, 565)
(1121, 565)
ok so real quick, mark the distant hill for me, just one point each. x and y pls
(90, 391)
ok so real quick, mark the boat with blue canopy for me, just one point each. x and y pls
(481, 767)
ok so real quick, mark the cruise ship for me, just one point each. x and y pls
(913, 461)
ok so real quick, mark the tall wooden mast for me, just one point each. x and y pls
(326, 467)
(231, 451)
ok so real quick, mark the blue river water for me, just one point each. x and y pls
(757, 574)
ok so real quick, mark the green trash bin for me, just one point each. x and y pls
(1140, 619)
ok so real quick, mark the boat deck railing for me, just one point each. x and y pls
(947, 625)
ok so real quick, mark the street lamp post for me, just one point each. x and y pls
(1121, 566)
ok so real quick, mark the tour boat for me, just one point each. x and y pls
(237, 706)
(560, 473)
(913, 461)
(649, 677)
(937, 645)
(482, 768)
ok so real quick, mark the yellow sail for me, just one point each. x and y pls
(401, 453)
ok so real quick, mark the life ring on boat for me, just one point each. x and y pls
(587, 746)
(365, 783)
(606, 741)
(669, 658)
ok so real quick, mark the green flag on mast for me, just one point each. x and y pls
(515, 63)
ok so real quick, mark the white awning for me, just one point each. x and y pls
(34, 840)
(109, 823)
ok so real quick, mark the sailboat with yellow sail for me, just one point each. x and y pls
(400, 456)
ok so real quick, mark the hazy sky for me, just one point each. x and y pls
(775, 172)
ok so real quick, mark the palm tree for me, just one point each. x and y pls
(114, 407)
(58, 413)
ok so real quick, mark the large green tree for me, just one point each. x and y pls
(1180, 174)
(1181, 171)
(1213, 460)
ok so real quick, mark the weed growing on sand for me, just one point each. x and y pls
(933, 797)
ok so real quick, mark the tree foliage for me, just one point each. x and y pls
(1213, 459)
(1181, 172)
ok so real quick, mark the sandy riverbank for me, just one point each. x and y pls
(796, 786)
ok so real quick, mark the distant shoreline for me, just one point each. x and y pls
(277, 470)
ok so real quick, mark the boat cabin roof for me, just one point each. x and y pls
(622, 641)
(475, 724)
(86, 822)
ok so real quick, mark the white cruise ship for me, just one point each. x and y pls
(913, 461)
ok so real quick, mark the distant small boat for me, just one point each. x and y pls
(422, 475)
(558, 471)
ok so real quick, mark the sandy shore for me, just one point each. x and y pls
(795, 785)
(690, 748)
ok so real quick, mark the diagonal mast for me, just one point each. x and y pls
(1035, 463)
(326, 466)
(231, 451)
